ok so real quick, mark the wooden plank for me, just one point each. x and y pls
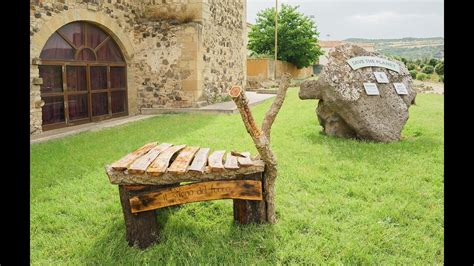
(202, 191)
(180, 164)
(231, 161)
(121, 178)
(200, 160)
(160, 164)
(140, 165)
(128, 159)
(215, 161)
(245, 161)
(250, 211)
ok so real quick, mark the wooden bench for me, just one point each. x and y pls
(150, 178)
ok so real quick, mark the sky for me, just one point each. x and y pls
(371, 19)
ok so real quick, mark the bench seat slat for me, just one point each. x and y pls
(215, 160)
(245, 161)
(231, 161)
(200, 160)
(128, 159)
(160, 164)
(180, 164)
(140, 165)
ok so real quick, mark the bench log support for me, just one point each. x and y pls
(250, 211)
(141, 228)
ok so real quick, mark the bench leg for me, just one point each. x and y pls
(141, 228)
(250, 211)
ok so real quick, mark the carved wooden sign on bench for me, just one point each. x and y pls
(202, 191)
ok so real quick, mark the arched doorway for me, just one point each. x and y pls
(84, 77)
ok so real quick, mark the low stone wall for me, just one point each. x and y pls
(263, 69)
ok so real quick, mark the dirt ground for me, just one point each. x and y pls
(428, 87)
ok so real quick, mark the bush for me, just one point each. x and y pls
(441, 78)
(427, 69)
(433, 62)
(411, 66)
(413, 73)
(439, 69)
(421, 76)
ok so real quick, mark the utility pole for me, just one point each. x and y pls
(276, 39)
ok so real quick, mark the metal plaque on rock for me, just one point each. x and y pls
(400, 88)
(371, 89)
(381, 77)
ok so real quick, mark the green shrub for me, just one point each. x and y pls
(439, 68)
(421, 76)
(427, 69)
(413, 74)
(441, 78)
(411, 66)
(433, 62)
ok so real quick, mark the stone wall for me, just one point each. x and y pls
(178, 53)
(224, 47)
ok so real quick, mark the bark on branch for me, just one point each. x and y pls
(261, 140)
(276, 105)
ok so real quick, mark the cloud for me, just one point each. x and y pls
(386, 17)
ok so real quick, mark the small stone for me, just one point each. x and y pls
(37, 81)
(58, 6)
(65, 7)
(48, 13)
(37, 14)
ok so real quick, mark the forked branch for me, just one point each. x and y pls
(261, 139)
(276, 105)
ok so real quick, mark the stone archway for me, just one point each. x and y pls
(101, 20)
(47, 28)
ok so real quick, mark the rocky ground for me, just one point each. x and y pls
(428, 87)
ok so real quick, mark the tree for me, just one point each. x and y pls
(439, 69)
(297, 36)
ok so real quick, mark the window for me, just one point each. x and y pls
(84, 76)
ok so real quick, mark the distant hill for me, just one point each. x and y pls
(411, 48)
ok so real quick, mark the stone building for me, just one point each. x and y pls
(97, 59)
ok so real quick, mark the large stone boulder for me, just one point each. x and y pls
(345, 109)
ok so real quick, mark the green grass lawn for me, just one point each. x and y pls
(338, 201)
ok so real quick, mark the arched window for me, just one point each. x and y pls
(84, 76)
